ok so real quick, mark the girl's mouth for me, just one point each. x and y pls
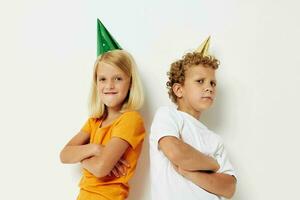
(110, 93)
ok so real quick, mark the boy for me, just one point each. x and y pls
(187, 160)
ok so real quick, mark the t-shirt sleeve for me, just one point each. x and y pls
(130, 128)
(87, 127)
(223, 160)
(165, 123)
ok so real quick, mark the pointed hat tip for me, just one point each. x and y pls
(203, 48)
(105, 41)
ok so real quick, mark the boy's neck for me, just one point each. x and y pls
(191, 111)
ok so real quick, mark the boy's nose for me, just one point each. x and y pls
(208, 89)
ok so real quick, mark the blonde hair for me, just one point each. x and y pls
(179, 67)
(124, 61)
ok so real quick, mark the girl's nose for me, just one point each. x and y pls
(110, 85)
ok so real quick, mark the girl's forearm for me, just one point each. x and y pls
(91, 165)
(76, 153)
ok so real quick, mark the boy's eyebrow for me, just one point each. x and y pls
(201, 77)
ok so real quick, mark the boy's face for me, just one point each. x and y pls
(113, 85)
(198, 91)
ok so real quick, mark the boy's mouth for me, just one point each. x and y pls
(208, 98)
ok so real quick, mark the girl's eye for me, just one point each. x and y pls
(101, 79)
(118, 79)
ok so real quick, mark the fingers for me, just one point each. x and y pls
(124, 162)
(110, 174)
(120, 169)
(115, 172)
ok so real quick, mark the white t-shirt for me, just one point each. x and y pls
(166, 183)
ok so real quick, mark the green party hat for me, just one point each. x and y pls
(105, 41)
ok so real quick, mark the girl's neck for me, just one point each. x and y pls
(109, 117)
(113, 113)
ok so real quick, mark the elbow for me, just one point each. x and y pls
(63, 158)
(229, 195)
(231, 190)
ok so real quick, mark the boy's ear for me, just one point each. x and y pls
(177, 89)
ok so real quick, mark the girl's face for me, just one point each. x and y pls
(113, 85)
(198, 90)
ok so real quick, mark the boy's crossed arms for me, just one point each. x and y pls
(197, 167)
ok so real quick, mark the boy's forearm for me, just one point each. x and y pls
(74, 154)
(194, 160)
(186, 157)
(216, 183)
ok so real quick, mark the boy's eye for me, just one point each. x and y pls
(213, 83)
(200, 81)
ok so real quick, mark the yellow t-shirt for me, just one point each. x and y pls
(130, 127)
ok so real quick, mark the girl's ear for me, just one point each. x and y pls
(177, 89)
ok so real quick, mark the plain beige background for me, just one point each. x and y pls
(47, 52)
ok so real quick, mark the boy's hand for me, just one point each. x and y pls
(180, 171)
(120, 168)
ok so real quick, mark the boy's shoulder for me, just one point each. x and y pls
(214, 136)
(166, 110)
(168, 113)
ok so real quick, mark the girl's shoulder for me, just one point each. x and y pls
(129, 119)
(131, 115)
(93, 121)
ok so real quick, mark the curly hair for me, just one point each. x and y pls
(179, 67)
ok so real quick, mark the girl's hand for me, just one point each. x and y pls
(97, 149)
(120, 168)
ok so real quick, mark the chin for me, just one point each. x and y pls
(111, 105)
(205, 107)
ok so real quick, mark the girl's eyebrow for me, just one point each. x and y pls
(112, 76)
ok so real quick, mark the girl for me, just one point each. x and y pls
(110, 142)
